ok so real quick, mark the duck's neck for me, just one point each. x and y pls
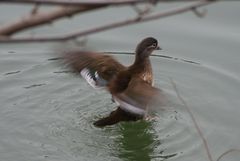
(142, 64)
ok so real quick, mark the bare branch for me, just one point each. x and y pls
(92, 2)
(82, 2)
(135, 20)
(41, 18)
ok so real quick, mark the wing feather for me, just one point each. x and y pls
(138, 97)
(97, 68)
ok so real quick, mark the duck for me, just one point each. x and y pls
(131, 86)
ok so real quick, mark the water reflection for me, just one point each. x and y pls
(137, 141)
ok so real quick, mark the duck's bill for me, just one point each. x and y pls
(158, 48)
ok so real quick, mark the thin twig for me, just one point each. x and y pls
(199, 13)
(35, 9)
(198, 128)
(135, 20)
(146, 10)
(193, 119)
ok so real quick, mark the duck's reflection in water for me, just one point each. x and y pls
(138, 142)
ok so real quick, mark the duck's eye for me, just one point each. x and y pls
(154, 45)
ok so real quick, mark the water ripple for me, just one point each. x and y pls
(60, 114)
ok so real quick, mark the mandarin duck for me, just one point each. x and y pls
(131, 87)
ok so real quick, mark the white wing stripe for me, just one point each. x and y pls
(85, 73)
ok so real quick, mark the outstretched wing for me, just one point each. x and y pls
(138, 97)
(98, 69)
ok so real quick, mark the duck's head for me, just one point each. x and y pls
(146, 47)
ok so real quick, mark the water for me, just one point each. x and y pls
(47, 114)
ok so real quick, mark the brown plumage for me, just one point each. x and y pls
(131, 87)
(105, 65)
